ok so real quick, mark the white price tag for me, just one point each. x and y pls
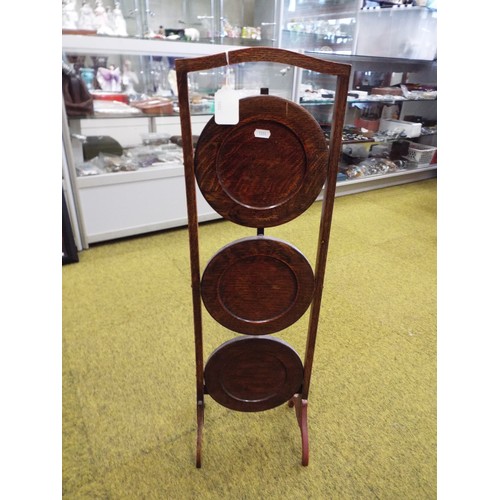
(262, 134)
(227, 106)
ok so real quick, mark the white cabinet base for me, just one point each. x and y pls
(153, 199)
(381, 181)
(131, 203)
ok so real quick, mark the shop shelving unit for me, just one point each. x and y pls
(122, 204)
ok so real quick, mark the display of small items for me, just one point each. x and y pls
(157, 149)
(123, 91)
(362, 160)
(182, 34)
(100, 19)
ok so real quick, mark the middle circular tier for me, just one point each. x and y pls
(268, 168)
(257, 285)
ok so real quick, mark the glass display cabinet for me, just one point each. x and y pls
(390, 128)
(226, 22)
(320, 25)
(126, 154)
(124, 159)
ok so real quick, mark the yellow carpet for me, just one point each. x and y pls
(129, 420)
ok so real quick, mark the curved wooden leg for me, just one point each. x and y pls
(200, 410)
(304, 431)
(301, 413)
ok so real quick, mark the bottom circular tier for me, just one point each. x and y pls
(253, 374)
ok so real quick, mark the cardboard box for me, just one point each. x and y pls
(398, 126)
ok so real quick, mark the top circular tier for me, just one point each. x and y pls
(265, 170)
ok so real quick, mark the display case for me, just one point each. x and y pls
(391, 119)
(313, 25)
(391, 110)
(126, 153)
(398, 28)
(299, 24)
(404, 31)
(226, 22)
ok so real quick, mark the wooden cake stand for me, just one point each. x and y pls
(264, 171)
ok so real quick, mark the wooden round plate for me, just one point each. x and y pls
(253, 374)
(257, 285)
(267, 169)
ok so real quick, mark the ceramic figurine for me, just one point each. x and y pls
(119, 21)
(129, 78)
(86, 18)
(110, 20)
(109, 79)
(192, 34)
(101, 19)
(69, 15)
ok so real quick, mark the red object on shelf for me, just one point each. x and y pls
(434, 158)
(102, 95)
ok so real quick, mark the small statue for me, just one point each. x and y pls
(119, 21)
(109, 79)
(192, 34)
(69, 15)
(110, 20)
(101, 19)
(86, 19)
(129, 78)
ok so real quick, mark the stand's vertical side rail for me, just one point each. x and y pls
(190, 183)
(326, 219)
(183, 67)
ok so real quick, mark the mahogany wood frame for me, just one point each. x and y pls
(262, 54)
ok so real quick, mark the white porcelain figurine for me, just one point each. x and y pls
(110, 20)
(69, 15)
(129, 78)
(119, 21)
(86, 19)
(192, 34)
(101, 19)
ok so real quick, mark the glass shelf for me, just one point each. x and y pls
(387, 100)
(112, 204)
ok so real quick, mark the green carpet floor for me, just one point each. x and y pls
(129, 419)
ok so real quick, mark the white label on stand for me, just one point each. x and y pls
(227, 106)
(262, 134)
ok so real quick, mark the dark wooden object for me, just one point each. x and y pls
(253, 374)
(69, 250)
(257, 285)
(259, 183)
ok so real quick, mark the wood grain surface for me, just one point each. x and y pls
(253, 374)
(257, 285)
(267, 169)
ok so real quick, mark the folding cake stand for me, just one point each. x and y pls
(264, 171)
